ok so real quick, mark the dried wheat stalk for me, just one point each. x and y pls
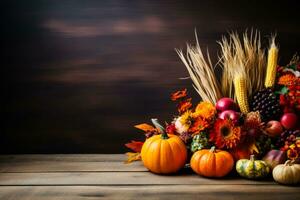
(247, 54)
(201, 72)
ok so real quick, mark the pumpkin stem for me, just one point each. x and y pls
(252, 158)
(288, 162)
(160, 128)
(212, 149)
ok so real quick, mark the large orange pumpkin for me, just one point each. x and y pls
(164, 153)
(212, 163)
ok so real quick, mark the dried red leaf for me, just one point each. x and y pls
(135, 146)
(184, 105)
(179, 94)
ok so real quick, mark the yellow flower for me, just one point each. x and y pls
(204, 109)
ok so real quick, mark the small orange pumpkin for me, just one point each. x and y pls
(212, 162)
(164, 153)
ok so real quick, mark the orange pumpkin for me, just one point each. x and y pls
(164, 153)
(212, 163)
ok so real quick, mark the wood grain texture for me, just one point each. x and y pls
(117, 178)
(207, 192)
(76, 177)
(68, 163)
(63, 157)
(67, 166)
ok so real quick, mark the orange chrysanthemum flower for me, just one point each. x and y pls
(199, 125)
(225, 134)
(179, 94)
(287, 79)
(205, 110)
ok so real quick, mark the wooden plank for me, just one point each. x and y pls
(63, 157)
(67, 163)
(70, 166)
(117, 178)
(207, 192)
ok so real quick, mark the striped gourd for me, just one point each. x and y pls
(272, 64)
(241, 93)
(252, 169)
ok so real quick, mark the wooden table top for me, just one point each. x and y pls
(105, 176)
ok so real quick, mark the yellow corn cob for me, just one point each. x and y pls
(240, 93)
(272, 64)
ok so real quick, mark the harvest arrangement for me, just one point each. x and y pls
(247, 120)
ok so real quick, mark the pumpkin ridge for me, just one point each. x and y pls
(179, 143)
(174, 154)
(164, 156)
(256, 168)
(154, 155)
(145, 149)
(220, 159)
(214, 160)
(202, 154)
(150, 151)
(181, 151)
(241, 167)
(210, 158)
(293, 172)
(195, 161)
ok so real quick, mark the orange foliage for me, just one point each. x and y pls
(179, 94)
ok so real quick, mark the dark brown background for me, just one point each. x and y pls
(79, 74)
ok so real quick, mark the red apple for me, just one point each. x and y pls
(230, 114)
(226, 104)
(273, 128)
(289, 120)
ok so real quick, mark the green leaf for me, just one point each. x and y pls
(283, 90)
(293, 66)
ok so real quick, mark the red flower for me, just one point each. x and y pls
(171, 129)
(225, 134)
(282, 100)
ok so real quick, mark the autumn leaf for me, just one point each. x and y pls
(253, 148)
(135, 146)
(145, 127)
(179, 94)
(131, 156)
(184, 105)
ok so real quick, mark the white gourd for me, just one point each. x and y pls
(287, 173)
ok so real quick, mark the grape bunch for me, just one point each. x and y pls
(266, 102)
